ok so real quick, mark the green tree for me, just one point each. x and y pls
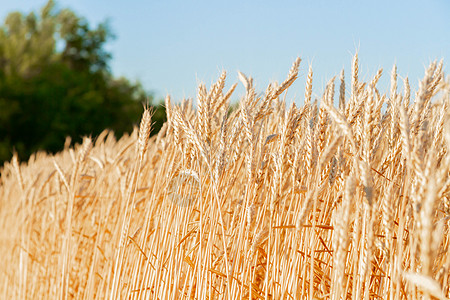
(55, 82)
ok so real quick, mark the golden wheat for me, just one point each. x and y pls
(322, 201)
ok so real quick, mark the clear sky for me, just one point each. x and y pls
(171, 45)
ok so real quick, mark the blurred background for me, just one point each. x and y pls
(76, 67)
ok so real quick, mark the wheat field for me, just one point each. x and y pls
(345, 197)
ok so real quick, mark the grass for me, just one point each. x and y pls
(322, 201)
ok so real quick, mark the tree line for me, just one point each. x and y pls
(55, 81)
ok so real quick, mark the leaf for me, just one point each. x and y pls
(426, 284)
(189, 261)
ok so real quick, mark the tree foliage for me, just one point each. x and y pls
(55, 82)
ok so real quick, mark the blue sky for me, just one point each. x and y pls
(170, 45)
